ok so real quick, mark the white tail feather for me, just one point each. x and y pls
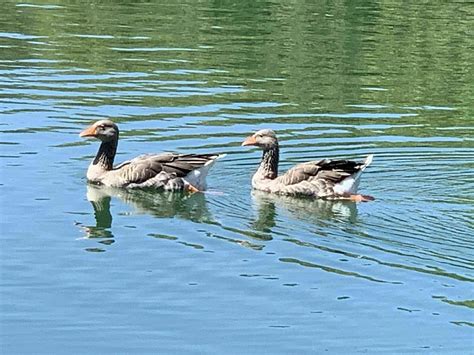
(197, 178)
(368, 161)
(351, 183)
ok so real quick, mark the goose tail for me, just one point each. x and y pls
(368, 161)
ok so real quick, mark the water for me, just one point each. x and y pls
(87, 270)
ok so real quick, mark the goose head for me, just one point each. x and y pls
(105, 130)
(265, 139)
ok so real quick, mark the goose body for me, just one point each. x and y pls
(326, 178)
(169, 171)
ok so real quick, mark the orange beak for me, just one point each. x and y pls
(249, 141)
(88, 132)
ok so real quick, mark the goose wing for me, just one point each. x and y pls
(148, 166)
(332, 171)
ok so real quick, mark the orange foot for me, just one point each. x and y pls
(361, 198)
(191, 188)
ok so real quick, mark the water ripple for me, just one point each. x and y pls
(202, 84)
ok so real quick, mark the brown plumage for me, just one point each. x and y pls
(169, 171)
(326, 178)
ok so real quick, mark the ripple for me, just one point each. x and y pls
(38, 6)
(22, 36)
(153, 49)
(202, 84)
(333, 270)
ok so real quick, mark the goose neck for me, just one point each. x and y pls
(106, 154)
(269, 165)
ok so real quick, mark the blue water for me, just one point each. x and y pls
(92, 270)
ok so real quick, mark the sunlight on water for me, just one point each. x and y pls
(100, 270)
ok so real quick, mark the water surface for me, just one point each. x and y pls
(88, 270)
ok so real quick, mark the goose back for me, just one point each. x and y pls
(155, 170)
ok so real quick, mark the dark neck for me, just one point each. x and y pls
(269, 165)
(106, 154)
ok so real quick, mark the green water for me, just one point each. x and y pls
(92, 270)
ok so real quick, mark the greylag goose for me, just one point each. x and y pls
(327, 179)
(168, 171)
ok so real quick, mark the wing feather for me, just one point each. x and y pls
(326, 169)
(148, 166)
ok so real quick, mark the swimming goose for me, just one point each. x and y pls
(169, 171)
(328, 179)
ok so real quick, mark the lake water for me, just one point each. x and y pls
(231, 271)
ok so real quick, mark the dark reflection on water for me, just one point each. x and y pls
(161, 204)
(310, 210)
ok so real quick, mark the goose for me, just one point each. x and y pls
(326, 178)
(168, 171)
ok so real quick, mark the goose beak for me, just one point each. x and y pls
(249, 141)
(88, 132)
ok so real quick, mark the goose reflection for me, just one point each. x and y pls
(318, 211)
(162, 205)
